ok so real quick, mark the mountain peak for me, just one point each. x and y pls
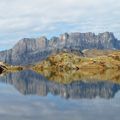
(30, 50)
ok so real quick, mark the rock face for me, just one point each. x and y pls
(28, 51)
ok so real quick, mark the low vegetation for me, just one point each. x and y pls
(67, 67)
(68, 61)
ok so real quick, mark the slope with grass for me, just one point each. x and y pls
(68, 61)
(67, 67)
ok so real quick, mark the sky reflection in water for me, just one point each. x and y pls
(22, 99)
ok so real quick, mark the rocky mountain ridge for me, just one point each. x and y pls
(31, 50)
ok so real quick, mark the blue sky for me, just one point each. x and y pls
(33, 18)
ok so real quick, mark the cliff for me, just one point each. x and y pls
(29, 51)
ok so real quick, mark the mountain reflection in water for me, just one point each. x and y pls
(29, 82)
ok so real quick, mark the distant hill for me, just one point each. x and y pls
(30, 50)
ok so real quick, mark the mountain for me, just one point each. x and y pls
(29, 51)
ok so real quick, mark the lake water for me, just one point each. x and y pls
(27, 95)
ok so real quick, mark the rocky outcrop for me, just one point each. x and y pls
(5, 68)
(64, 62)
(2, 67)
(29, 51)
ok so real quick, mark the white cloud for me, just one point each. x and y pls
(21, 18)
(17, 107)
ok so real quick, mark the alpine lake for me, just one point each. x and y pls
(27, 95)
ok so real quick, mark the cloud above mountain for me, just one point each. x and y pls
(32, 18)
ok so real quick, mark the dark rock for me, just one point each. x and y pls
(1, 69)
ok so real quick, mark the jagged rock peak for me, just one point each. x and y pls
(35, 49)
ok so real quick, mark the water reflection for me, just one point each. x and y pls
(29, 82)
(66, 77)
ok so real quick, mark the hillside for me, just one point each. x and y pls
(65, 67)
(69, 61)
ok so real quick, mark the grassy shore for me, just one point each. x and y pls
(67, 67)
